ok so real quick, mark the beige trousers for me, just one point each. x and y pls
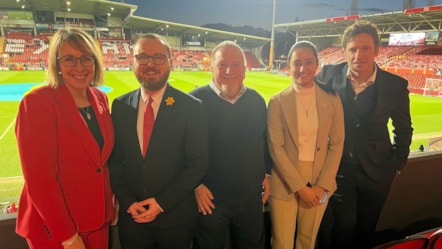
(290, 217)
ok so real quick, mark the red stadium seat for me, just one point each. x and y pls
(427, 233)
(428, 239)
(406, 243)
(435, 241)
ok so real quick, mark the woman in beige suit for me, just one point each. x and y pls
(306, 136)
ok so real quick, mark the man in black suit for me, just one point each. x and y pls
(154, 185)
(370, 97)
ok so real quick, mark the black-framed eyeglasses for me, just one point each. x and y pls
(71, 61)
(158, 59)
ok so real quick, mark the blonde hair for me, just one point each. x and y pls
(80, 40)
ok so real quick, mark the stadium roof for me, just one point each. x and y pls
(210, 35)
(420, 19)
(137, 23)
(92, 7)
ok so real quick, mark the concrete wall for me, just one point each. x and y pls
(415, 200)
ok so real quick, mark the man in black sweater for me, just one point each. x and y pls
(231, 195)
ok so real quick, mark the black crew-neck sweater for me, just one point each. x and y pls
(238, 154)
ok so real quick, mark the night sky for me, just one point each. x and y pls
(257, 13)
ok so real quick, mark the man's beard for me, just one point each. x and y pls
(154, 85)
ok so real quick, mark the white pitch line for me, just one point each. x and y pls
(7, 129)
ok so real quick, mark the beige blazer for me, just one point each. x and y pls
(283, 139)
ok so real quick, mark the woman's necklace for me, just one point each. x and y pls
(88, 115)
(305, 98)
(306, 106)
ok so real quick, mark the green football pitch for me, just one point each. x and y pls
(426, 111)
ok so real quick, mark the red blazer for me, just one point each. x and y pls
(67, 186)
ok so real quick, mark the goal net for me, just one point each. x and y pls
(433, 87)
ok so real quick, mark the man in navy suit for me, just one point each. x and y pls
(370, 160)
(155, 185)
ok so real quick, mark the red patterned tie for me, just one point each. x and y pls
(148, 125)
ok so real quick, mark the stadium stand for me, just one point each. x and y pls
(418, 58)
(189, 59)
(331, 55)
(411, 63)
(116, 53)
(252, 61)
(31, 51)
(25, 49)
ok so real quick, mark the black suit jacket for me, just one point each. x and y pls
(368, 135)
(176, 160)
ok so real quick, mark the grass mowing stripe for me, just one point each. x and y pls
(7, 129)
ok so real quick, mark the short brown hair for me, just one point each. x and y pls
(361, 27)
(155, 37)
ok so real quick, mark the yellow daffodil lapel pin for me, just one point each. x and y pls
(170, 101)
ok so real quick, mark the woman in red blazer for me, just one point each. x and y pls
(65, 136)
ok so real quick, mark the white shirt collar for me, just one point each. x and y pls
(218, 92)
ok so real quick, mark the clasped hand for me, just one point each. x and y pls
(311, 197)
(144, 211)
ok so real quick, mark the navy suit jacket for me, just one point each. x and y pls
(369, 137)
(176, 160)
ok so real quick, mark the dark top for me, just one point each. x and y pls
(367, 138)
(357, 109)
(238, 154)
(175, 161)
(92, 124)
